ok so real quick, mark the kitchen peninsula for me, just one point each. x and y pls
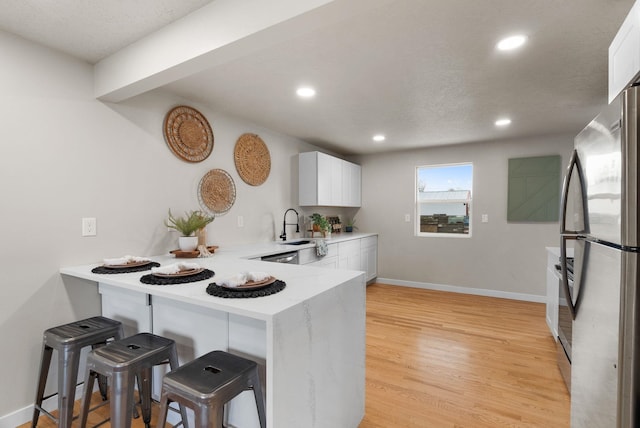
(309, 339)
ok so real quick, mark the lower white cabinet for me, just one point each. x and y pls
(131, 308)
(353, 254)
(369, 260)
(349, 255)
(309, 257)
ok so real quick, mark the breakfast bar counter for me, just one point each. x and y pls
(308, 339)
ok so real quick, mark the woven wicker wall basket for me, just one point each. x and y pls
(188, 134)
(217, 192)
(252, 158)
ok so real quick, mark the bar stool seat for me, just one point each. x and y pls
(207, 383)
(122, 361)
(68, 340)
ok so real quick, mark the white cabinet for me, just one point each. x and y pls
(309, 257)
(325, 180)
(131, 308)
(349, 255)
(351, 184)
(326, 262)
(353, 254)
(369, 256)
(624, 54)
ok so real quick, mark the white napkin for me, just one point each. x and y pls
(124, 260)
(175, 268)
(242, 278)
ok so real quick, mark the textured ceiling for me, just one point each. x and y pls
(421, 72)
(90, 29)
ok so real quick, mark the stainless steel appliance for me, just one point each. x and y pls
(600, 204)
(565, 324)
(288, 257)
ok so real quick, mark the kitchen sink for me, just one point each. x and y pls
(302, 242)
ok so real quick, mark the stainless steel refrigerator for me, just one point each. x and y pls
(600, 221)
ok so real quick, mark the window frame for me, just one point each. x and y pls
(416, 204)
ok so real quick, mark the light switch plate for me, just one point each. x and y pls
(407, 218)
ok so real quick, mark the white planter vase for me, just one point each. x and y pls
(188, 243)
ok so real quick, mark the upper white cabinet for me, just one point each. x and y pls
(325, 180)
(624, 54)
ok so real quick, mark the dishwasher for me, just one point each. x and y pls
(288, 257)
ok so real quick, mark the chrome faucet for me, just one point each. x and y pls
(284, 224)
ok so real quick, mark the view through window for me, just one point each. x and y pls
(443, 199)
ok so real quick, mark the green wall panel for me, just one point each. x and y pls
(534, 189)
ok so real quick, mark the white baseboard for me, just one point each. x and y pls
(465, 290)
(24, 415)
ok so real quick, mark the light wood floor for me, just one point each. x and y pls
(441, 360)
(437, 359)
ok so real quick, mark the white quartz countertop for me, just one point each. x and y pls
(257, 250)
(303, 282)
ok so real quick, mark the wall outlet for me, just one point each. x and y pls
(240, 221)
(485, 218)
(89, 226)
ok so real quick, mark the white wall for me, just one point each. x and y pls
(506, 258)
(66, 156)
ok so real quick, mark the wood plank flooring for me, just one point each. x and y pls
(437, 359)
(446, 360)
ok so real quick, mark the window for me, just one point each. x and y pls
(443, 199)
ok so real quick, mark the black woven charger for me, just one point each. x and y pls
(159, 280)
(103, 269)
(229, 293)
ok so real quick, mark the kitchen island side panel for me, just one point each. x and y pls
(318, 362)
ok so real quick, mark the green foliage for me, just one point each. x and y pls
(190, 223)
(351, 222)
(321, 221)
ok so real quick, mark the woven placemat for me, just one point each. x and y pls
(188, 134)
(228, 293)
(217, 191)
(106, 270)
(252, 158)
(158, 280)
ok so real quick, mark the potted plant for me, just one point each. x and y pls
(350, 225)
(188, 225)
(320, 224)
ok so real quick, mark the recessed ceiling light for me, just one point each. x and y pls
(379, 138)
(306, 92)
(512, 42)
(503, 122)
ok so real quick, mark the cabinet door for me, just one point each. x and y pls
(324, 182)
(308, 179)
(624, 54)
(131, 308)
(369, 260)
(327, 262)
(351, 184)
(349, 255)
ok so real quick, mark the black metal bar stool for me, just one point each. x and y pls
(68, 340)
(207, 383)
(122, 361)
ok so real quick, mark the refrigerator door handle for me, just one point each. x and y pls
(574, 165)
(565, 278)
